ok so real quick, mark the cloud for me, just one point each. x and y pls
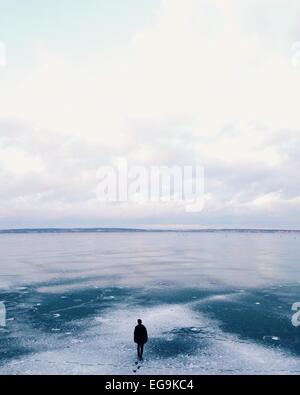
(208, 82)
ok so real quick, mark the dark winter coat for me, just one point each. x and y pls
(140, 334)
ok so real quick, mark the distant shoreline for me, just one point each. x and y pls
(136, 230)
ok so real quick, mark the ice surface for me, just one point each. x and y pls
(107, 348)
(73, 301)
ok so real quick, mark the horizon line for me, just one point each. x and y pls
(125, 229)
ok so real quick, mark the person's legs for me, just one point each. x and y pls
(141, 351)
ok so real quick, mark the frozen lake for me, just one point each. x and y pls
(213, 302)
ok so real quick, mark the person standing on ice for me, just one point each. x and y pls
(140, 338)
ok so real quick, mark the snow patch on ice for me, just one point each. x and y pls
(109, 349)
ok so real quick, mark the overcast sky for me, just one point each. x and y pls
(159, 82)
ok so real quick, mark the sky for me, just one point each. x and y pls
(214, 83)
